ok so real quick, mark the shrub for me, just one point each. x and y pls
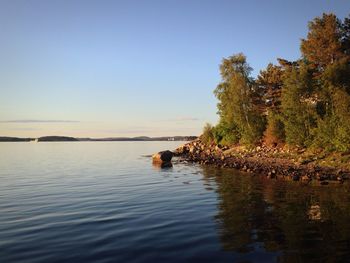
(208, 135)
(226, 134)
(274, 133)
(251, 133)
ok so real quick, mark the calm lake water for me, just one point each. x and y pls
(105, 202)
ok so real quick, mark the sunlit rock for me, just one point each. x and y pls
(163, 159)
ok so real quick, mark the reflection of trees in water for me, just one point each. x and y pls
(304, 223)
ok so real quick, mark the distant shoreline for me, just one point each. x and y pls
(117, 139)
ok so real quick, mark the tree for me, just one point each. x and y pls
(299, 106)
(275, 131)
(327, 50)
(236, 94)
(334, 129)
(323, 45)
(346, 36)
(334, 122)
(305, 102)
(271, 80)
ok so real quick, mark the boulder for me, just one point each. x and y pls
(182, 150)
(192, 149)
(163, 158)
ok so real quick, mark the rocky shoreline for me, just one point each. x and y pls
(259, 160)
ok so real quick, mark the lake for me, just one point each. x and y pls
(105, 202)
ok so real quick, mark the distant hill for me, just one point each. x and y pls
(57, 139)
(14, 139)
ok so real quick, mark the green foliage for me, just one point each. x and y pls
(346, 36)
(274, 133)
(336, 75)
(299, 106)
(323, 44)
(236, 94)
(226, 133)
(333, 131)
(270, 81)
(208, 135)
(303, 103)
(252, 132)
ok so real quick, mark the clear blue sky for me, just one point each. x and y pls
(125, 68)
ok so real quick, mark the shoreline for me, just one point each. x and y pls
(260, 161)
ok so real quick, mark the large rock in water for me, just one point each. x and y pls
(163, 158)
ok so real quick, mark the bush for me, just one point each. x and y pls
(226, 134)
(298, 109)
(208, 135)
(251, 133)
(274, 133)
(334, 129)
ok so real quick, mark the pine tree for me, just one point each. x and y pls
(323, 45)
(271, 80)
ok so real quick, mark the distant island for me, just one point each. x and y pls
(72, 139)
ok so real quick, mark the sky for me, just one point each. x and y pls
(99, 68)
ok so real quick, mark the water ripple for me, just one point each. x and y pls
(104, 202)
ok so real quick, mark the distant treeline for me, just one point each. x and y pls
(66, 139)
(41, 139)
(14, 139)
(304, 103)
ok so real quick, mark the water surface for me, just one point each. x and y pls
(105, 202)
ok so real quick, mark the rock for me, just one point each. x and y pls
(192, 149)
(181, 150)
(305, 178)
(163, 158)
(322, 177)
(340, 179)
(260, 160)
(271, 175)
(295, 177)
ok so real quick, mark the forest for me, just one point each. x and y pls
(303, 103)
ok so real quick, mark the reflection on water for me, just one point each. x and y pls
(315, 212)
(301, 223)
(162, 166)
(105, 202)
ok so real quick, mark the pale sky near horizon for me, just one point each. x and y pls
(130, 68)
